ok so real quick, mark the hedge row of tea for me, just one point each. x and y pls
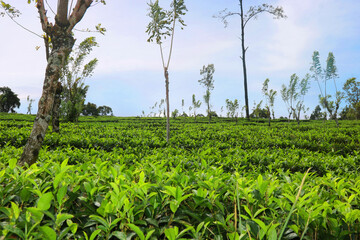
(116, 178)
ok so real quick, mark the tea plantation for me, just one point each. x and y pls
(117, 178)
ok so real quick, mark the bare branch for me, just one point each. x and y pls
(224, 14)
(43, 18)
(47, 47)
(78, 13)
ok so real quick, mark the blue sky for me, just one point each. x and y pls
(129, 76)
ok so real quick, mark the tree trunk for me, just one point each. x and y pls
(243, 50)
(166, 73)
(209, 111)
(62, 46)
(56, 109)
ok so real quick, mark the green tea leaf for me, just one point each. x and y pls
(48, 232)
(57, 179)
(61, 194)
(171, 233)
(12, 163)
(36, 214)
(100, 220)
(62, 217)
(44, 201)
(137, 230)
(148, 235)
(94, 234)
(119, 235)
(15, 210)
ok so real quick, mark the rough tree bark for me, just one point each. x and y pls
(56, 109)
(62, 42)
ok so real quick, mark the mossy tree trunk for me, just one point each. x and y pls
(62, 41)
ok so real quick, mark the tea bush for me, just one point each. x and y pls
(117, 178)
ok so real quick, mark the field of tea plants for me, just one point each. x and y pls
(117, 178)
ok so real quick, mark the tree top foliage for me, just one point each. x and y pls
(252, 13)
(163, 21)
(207, 73)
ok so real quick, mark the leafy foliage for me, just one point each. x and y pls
(8, 100)
(270, 98)
(294, 95)
(352, 91)
(330, 72)
(207, 81)
(232, 108)
(73, 77)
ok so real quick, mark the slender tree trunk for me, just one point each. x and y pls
(56, 109)
(62, 46)
(209, 112)
(243, 51)
(166, 73)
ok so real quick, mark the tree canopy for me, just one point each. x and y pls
(8, 100)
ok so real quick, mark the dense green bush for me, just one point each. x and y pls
(117, 178)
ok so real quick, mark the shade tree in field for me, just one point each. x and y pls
(232, 108)
(207, 73)
(175, 113)
(245, 16)
(269, 98)
(317, 114)
(30, 101)
(8, 100)
(332, 105)
(59, 41)
(195, 105)
(161, 108)
(105, 111)
(352, 95)
(90, 109)
(161, 26)
(258, 111)
(73, 76)
(294, 95)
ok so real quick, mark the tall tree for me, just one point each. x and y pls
(105, 111)
(207, 81)
(352, 90)
(73, 77)
(303, 88)
(270, 98)
(232, 107)
(62, 42)
(294, 95)
(245, 17)
(329, 73)
(30, 101)
(162, 25)
(8, 100)
(196, 105)
(289, 94)
(316, 114)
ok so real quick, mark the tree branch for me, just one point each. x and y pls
(78, 13)
(224, 14)
(61, 15)
(43, 18)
